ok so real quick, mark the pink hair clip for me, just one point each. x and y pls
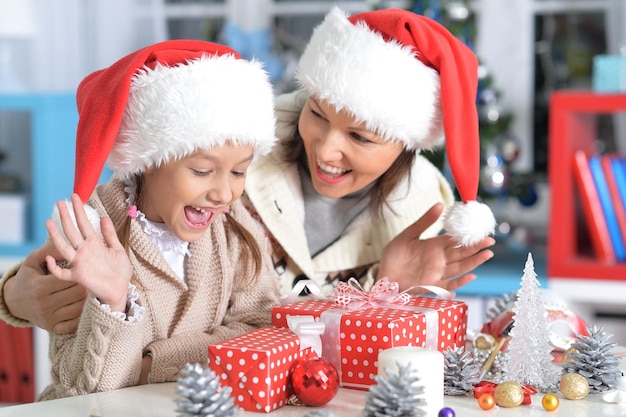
(132, 212)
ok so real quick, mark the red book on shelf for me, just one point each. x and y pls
(24, 363)
(616, 198)
(8, 388)
(592, 209)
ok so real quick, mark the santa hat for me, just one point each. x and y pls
(166, 101)
(409, 80)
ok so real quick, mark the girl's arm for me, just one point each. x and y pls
(103, 354)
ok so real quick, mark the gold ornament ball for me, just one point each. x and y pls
(484, 342)
(574, 386)
(509, 394)
(550, 402)
(486, 401)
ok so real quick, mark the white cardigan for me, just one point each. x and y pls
(274, 194)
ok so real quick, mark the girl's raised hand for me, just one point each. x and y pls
(102, 267)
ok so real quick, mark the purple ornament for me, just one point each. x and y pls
(446, 412)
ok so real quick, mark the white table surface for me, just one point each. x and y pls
(158, 401)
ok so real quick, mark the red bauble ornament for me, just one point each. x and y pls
(314, 381)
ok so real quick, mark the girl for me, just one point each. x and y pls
(179, 264)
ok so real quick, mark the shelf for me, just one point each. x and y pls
(503, 273)
(573, 126)
(53, 120)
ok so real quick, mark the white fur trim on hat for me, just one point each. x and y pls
(469, 223)
(92, 216)
(174, 111)
(379, 82)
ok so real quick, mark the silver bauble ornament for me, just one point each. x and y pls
(457, 11)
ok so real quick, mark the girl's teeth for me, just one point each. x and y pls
(200, 209)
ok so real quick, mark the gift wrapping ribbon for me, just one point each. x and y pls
(308, 331)
(488, 387)
(350, 295)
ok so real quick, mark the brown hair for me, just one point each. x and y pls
(293, 151)
(253, 254)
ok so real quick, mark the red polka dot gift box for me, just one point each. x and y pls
(256, 365)
(352, 339)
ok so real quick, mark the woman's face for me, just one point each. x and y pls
(189, 193)
(343, 156)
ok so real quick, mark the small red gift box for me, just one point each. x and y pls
(353, 338)
(257, 365)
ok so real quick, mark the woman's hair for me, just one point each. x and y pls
(293, 151)
(253, 254)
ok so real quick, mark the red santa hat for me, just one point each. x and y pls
(409, 80)
(166, 101)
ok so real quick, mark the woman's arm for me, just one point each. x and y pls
(30, 295)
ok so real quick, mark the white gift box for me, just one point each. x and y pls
(12, 219)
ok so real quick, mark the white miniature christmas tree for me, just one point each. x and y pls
(530, 357)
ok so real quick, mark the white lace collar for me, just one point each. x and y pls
(171, 247)
(162, 236)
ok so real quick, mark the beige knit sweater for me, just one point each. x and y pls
(180, 319)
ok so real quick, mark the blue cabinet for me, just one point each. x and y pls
(53, 120)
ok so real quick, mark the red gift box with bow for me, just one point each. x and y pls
(358, 325)
(257, 366)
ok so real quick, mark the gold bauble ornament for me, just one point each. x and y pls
(509, 394)
(574, 386)
(550, 402)
(484, 342)
(567, 356)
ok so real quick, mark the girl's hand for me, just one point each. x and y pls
(439, 261)
(103, 268)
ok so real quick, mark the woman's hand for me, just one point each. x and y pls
(439, 261)
(35, 295)
(103, 268)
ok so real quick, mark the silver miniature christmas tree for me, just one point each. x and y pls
(460, 372)
(530, 351)
(398, 395)
(202, 394)
(593, 359)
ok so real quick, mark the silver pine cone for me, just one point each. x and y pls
(594, 360)
(202, 394)
(460, 372)
(501, 305)
(398, 395)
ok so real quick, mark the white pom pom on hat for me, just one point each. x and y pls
(166, 101)
(410, 80)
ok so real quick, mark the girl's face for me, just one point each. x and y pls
(343, 156)
(189, 193)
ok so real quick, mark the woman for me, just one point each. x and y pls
(327, 225)
(341, 193)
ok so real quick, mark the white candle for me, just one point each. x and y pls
(429, 366)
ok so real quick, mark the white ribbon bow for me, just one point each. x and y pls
(308, 331)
